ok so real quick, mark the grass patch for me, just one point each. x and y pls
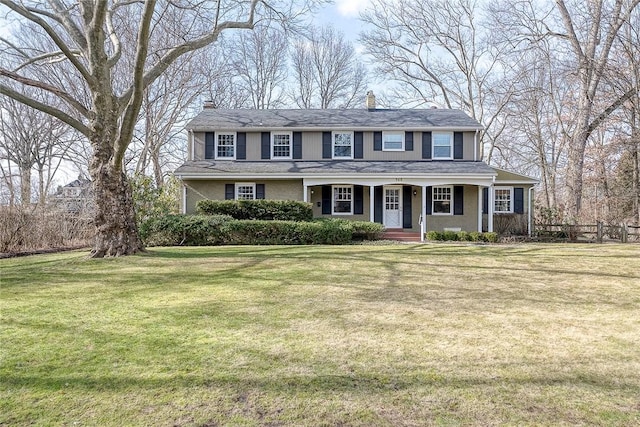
(319, 335)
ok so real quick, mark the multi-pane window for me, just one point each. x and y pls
(342, 198)
(245, 191)
(281, 145)
(442, 146)
(504, 199)
(392, 141)
(225, 145)
(343, 145)
(442, 200)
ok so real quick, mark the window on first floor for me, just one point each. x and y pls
(245, 191)
(343, 145)
(393, 141)
(503, 199)
(225, 145)
(281, 145)
(343, 199)
(442, 197)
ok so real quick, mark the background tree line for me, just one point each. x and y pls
(555, 84)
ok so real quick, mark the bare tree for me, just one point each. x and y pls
(92, 41)
(327, 73)
(261, 65)
(33, 141)
(440, 53)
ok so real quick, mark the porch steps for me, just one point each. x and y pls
(400, 235)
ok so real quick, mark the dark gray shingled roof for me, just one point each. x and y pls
(331, 167)
(378, 119)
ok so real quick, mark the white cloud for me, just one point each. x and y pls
(351, 7)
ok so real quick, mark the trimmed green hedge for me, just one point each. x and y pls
(188, 230)
(267, 210)
(462, 236)
(210, 230)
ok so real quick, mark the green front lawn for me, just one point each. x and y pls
(397, 335)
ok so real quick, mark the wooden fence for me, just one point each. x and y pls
(598, 232)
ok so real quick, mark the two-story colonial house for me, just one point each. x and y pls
(410, 169)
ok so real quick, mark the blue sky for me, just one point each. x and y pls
(343, 15)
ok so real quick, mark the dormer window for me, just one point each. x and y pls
(281, 145)
(392, 141)
(342, 145)
(443, 145)
(225, 145)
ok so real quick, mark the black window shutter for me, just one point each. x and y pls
(265, 144)
(326, 146)
(426, 145)
(241, 152)
(458, 200)
(406, 206)
(209, 146)
(485, 200)
(358, 200)
(429, 199)
(518, 200)
(458, 146)
(229, 191)
(377, 141)
(377, 204)
(326, 200)
(297, 145)
(259, 191)
(408, 141)
(357, 145)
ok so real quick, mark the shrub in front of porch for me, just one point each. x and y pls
(267, 210)
(461, 236)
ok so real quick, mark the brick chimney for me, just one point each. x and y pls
(370, 101)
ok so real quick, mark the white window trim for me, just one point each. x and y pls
(495, 211)
(433, 145)
(333, 200)
(402, 134)
(333, 144)
(215, 145)
(284, 132)
(433, 201)
(244, 184)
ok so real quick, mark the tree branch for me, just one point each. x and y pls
(33, 17)
(44, 86)
(55, 112)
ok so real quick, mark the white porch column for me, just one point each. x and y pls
(480, 209)
(305, 193)
(423, 212)
(492, 203)
(372, 217)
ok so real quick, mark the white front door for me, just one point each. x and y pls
(393, 207)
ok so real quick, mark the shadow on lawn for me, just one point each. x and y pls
(368, 383)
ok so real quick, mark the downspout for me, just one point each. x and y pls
(191, 148)
(530, 216)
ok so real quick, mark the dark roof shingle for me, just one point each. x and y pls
(214, 119)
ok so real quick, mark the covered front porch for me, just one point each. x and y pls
(409, 204)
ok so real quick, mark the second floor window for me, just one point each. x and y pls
(393, 141)
(225, 145)
(281, 145)
(442, 145)
(343, 145)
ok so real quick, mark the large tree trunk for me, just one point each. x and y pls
(115, 219)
